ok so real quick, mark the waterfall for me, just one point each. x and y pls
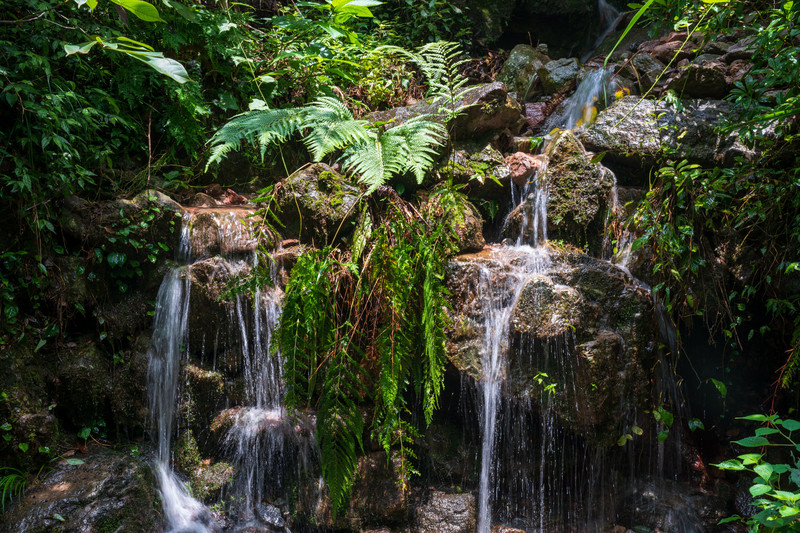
(501, 294)
(183, 513)
(256, 439)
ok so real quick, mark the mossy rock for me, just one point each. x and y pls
(578, 197)
(84, 384)
(111, 492)
(317, 205)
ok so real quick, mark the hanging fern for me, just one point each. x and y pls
(374, 155)
(371, 333)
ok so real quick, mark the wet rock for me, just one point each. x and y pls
(201, 200)
(483, 110)
(702, 79)
(645, 70)
(558, 74)
(633, 138)
(129, 387)
(446, 513)
(581, 334)
(84, 385)
(317, 205)
(544, 309)
(578, 196)
(525, 167)
(671, 506)
(270, 515)
(110, 491)
(223, 231)
(519, 71)
(211, 313)
(481, 168)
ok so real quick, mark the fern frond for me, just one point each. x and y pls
(367, 160)
(332, 127)
(416, 144)
(261, 127)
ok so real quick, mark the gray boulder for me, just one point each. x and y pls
(633, 133)
(110, 491)
(317, 205)
(556, 75)
(519, 71)
(446, 513)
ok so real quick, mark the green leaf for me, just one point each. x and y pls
(59, 517)
(6, 426)
(729, 519)
(116, 259)
(750, 458)
(764, 470)
(84, 433)
(74, 461)
(754, 418)
(752, 442)
(144, 10)
(730, 464)
(662, 435)
(790, 425)
(636, 430)
(39, 345)
(723, 390)
(79, 48)
(758, 489)
(24, 446)
(695, 424)
(766, 431)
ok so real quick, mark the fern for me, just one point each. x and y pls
(261, 127)
(374, 156)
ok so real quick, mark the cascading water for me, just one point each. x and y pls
(183, 513)
(256, 439)
(531, 258)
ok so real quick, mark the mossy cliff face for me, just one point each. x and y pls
(582, 337)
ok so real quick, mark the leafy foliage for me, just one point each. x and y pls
(776, 485)
(12, 483)
(369, 327)
(374, 154)
(698, 221)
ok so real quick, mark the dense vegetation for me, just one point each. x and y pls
(105, 98)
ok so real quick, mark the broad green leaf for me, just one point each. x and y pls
(168, 67)
(723, 390)
(729, 519)
(758, 489)
(116, 259)
(637, 430)
(787, 510)
(144, 10)
(754, 418)
(79, 48)
(766, 431)
(59, 517)
(790, 425)
(730, 464)
(662, 435)
(752, 442)
(786, 496)
(39, 345)
(74, 461)
(764, 471)
(184, 11)
(24, 446)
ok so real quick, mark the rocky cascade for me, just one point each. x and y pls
(558, 355)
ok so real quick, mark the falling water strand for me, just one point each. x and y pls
(501, 294)
(183, 513)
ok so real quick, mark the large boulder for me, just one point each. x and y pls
(634, 132)
(317, 205)
(225, 231)
(519, 71)
(109, 491)
(578, 197)
(480, 167)
(446, 513)
(555, 76)
(581, 331)
(482, 110)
